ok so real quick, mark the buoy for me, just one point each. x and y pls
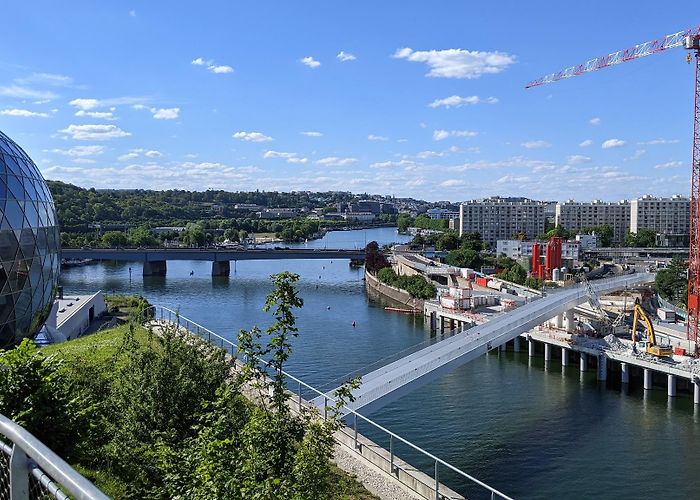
(328, 307)
(353, 323)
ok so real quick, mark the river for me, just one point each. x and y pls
(530, 432)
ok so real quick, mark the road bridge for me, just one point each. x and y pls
(155, 259)
(392, 381)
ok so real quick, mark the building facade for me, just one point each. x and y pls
(502, 218)
(573, 216)
(442, 213)
(669, 218)
(515, 249)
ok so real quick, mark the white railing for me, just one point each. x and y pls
(162, 313)
(29, 469)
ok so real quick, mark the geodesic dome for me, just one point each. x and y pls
(29, 245)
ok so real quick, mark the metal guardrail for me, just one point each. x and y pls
(162, 313)
(29, 469)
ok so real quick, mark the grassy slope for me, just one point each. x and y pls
(99, 349)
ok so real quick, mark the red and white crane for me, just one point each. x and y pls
(690, 40)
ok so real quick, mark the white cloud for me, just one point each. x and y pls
(139, 106)
(539, 144)
(153, 153)
(452, 183)
(79, 151)
(586, 143)
(312, 134)
(660, 141)
(290, 157)
(90, 104)
(128, 156)
(103, 115)
(252, 136)
(199, 62)
(211, 67)
(310, 62)
(25, 113)
(94, 132)
(613, 143)
(637, 155)
(52, 79)
(440, 135)
(509, 179)
(302, 161)
(669, 164)
(577, 159)
(20, 92)
(456, 101)
(334, 161)
(458, 63)
(391, 163)
(345, 56)
(165, 113)
(594, 121)
(372, 137)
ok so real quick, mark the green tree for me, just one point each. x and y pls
(113, 239)
(672, 282)
(464, 258)
(448, 241)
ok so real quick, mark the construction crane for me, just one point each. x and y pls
(650, 345)
(594, 302)
(690, 40)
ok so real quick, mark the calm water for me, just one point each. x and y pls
(531, 432)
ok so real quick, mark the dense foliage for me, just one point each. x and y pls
(672, 282)
(417, 286)
(644, 238)
(516, 274)
(404, 221)
(161, 414)
(374, 258)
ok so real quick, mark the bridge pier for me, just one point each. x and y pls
(564, 356)
(516, 344)
(570, 322)
(583, 363)
(221, 268)
(647, 379)
(671, 386)
(559, 321)
(433, 321)
(625, 373)
(531, 348)
(155, 268)
(602, 368)
(548, 352)
(696, 391)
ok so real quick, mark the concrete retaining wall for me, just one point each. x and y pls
(395, 294)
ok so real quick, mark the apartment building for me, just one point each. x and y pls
(572, 215)
(502, 218)
(669, 218)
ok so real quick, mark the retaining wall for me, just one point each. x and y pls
(395, 294)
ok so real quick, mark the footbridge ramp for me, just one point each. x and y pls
(394, 380)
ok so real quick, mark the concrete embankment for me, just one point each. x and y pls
(397, 295)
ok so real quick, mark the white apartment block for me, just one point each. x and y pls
(502, 218)
(442, 213)
(572, 215)
(665, 216)
(516, 249)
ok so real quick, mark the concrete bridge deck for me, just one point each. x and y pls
(400, 377)
(155, 259)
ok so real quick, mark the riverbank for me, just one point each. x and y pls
(397, 295)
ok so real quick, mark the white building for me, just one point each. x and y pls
(573, 216)
(516, 248)
(71, 316)
(359, 216)
(442, 213)
(502, 218)
(668, 217)
(587, 241)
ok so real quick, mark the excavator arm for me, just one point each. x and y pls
(639, 313)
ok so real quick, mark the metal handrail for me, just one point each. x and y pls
(49, 462)
(328, 399)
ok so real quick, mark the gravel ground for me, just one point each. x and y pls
(375, 480)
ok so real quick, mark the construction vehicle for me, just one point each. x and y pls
(649, 345)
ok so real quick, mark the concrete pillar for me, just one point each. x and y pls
(570, 323)
(583, 364)
(559, 321)
(564, 356)
(548, 352)
(602, 368)
(433, 321)
(531, 348)
(696, 391)
(516, 344)
(671, 386)
(503, 347)
(625, 376)
(647, 379)
(442, 324)
(452, 324)
(155, 268)
(221, 268)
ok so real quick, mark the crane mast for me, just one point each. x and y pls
(690, 40)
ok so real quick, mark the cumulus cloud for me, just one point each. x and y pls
(450, 183)
(252, 136)
(310, 62)
(165, 113)
(79, 151)
(345, 56)
(312, 134)
(289, 157)
(440, 135)
(94, 132)
(89, 104)
(594, 121)
(211, 67)
(103, 115)
(586, 143)
(539, 144)
(334, 161)
(613, 143)
(153, 153)
(24, 113)
(456, 101)
(372, 137)
(576, 159)
(458, 63)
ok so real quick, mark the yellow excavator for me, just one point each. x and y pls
(649, 345)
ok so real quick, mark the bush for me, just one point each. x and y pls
(417, 286)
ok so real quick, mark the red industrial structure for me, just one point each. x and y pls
(690, 40)
(552, 258)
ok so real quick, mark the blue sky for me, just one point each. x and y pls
(421, 99)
